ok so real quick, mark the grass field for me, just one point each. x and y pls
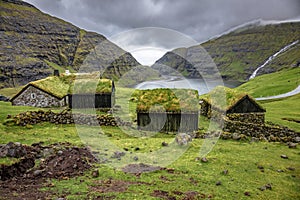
(241, 159)
(285, 111)
(272, 84)
(233, 171)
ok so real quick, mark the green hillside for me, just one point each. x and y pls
(272, 84)
(238, 53)
(33, 44)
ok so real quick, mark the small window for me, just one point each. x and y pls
(33, 95)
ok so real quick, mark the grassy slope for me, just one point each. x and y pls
(239, 53)
(190, 175)
(279, 110)
(272, 84)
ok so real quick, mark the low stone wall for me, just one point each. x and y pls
(266, 132)
(66, 117)
(255, 118)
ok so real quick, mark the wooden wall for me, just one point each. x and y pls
(105, 100)
(168, 122)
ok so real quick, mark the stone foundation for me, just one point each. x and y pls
(267, 132)
(66, 117)
(254, 118)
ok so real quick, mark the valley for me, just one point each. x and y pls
(103, 126)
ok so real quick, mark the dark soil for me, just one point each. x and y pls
(69, 163)
(110, 185)
(163, 195)
(140, 168)
(22, 180)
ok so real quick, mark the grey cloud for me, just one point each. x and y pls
(200, 19)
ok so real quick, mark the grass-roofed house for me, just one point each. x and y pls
(168, 110)
(236, 105)
(92, 93)
(48, 92)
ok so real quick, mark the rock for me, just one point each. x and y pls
(95, 173)
(268, 186)
(291, 168)
(225, 172)
(297, 139)
(260, 167)
(183, 139)
(218, 183)
(236, 136)
(60, 152)
(15, 150)
(118, 154)
(38, 172)
(164, 144)
(135, 158)
(292, 145)
(137, 148)
(284, 156)
(247, 193)
(204, 160)
(280, 170)
(262, 188)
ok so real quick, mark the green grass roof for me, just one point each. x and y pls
(62, 85)
(223, 98)
(53, 85)
(169, 100)
(91, 86)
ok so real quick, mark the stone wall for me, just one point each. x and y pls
(32, 96)
(267, 132)
(66, 117)
(255, 118)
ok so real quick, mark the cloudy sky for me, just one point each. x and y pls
(197, 19)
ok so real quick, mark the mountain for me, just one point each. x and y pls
(33, 44)
(238, 53)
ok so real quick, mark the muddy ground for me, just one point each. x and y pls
(37, 164)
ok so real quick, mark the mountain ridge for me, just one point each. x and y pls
(35, 43)
(238, 53)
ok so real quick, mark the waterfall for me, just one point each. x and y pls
(272, 57)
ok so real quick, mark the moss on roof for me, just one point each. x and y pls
(223, 98)
(169, 100)
(62, 85)
(53, 85)
(86, 86)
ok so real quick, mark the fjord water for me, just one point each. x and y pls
(203, 86)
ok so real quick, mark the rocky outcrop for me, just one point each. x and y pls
(238, 53)
(34, 43)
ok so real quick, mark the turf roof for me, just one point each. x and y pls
(53, 85)
(91, 86)
(169, 100)
(62, 85)
(224, 98)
